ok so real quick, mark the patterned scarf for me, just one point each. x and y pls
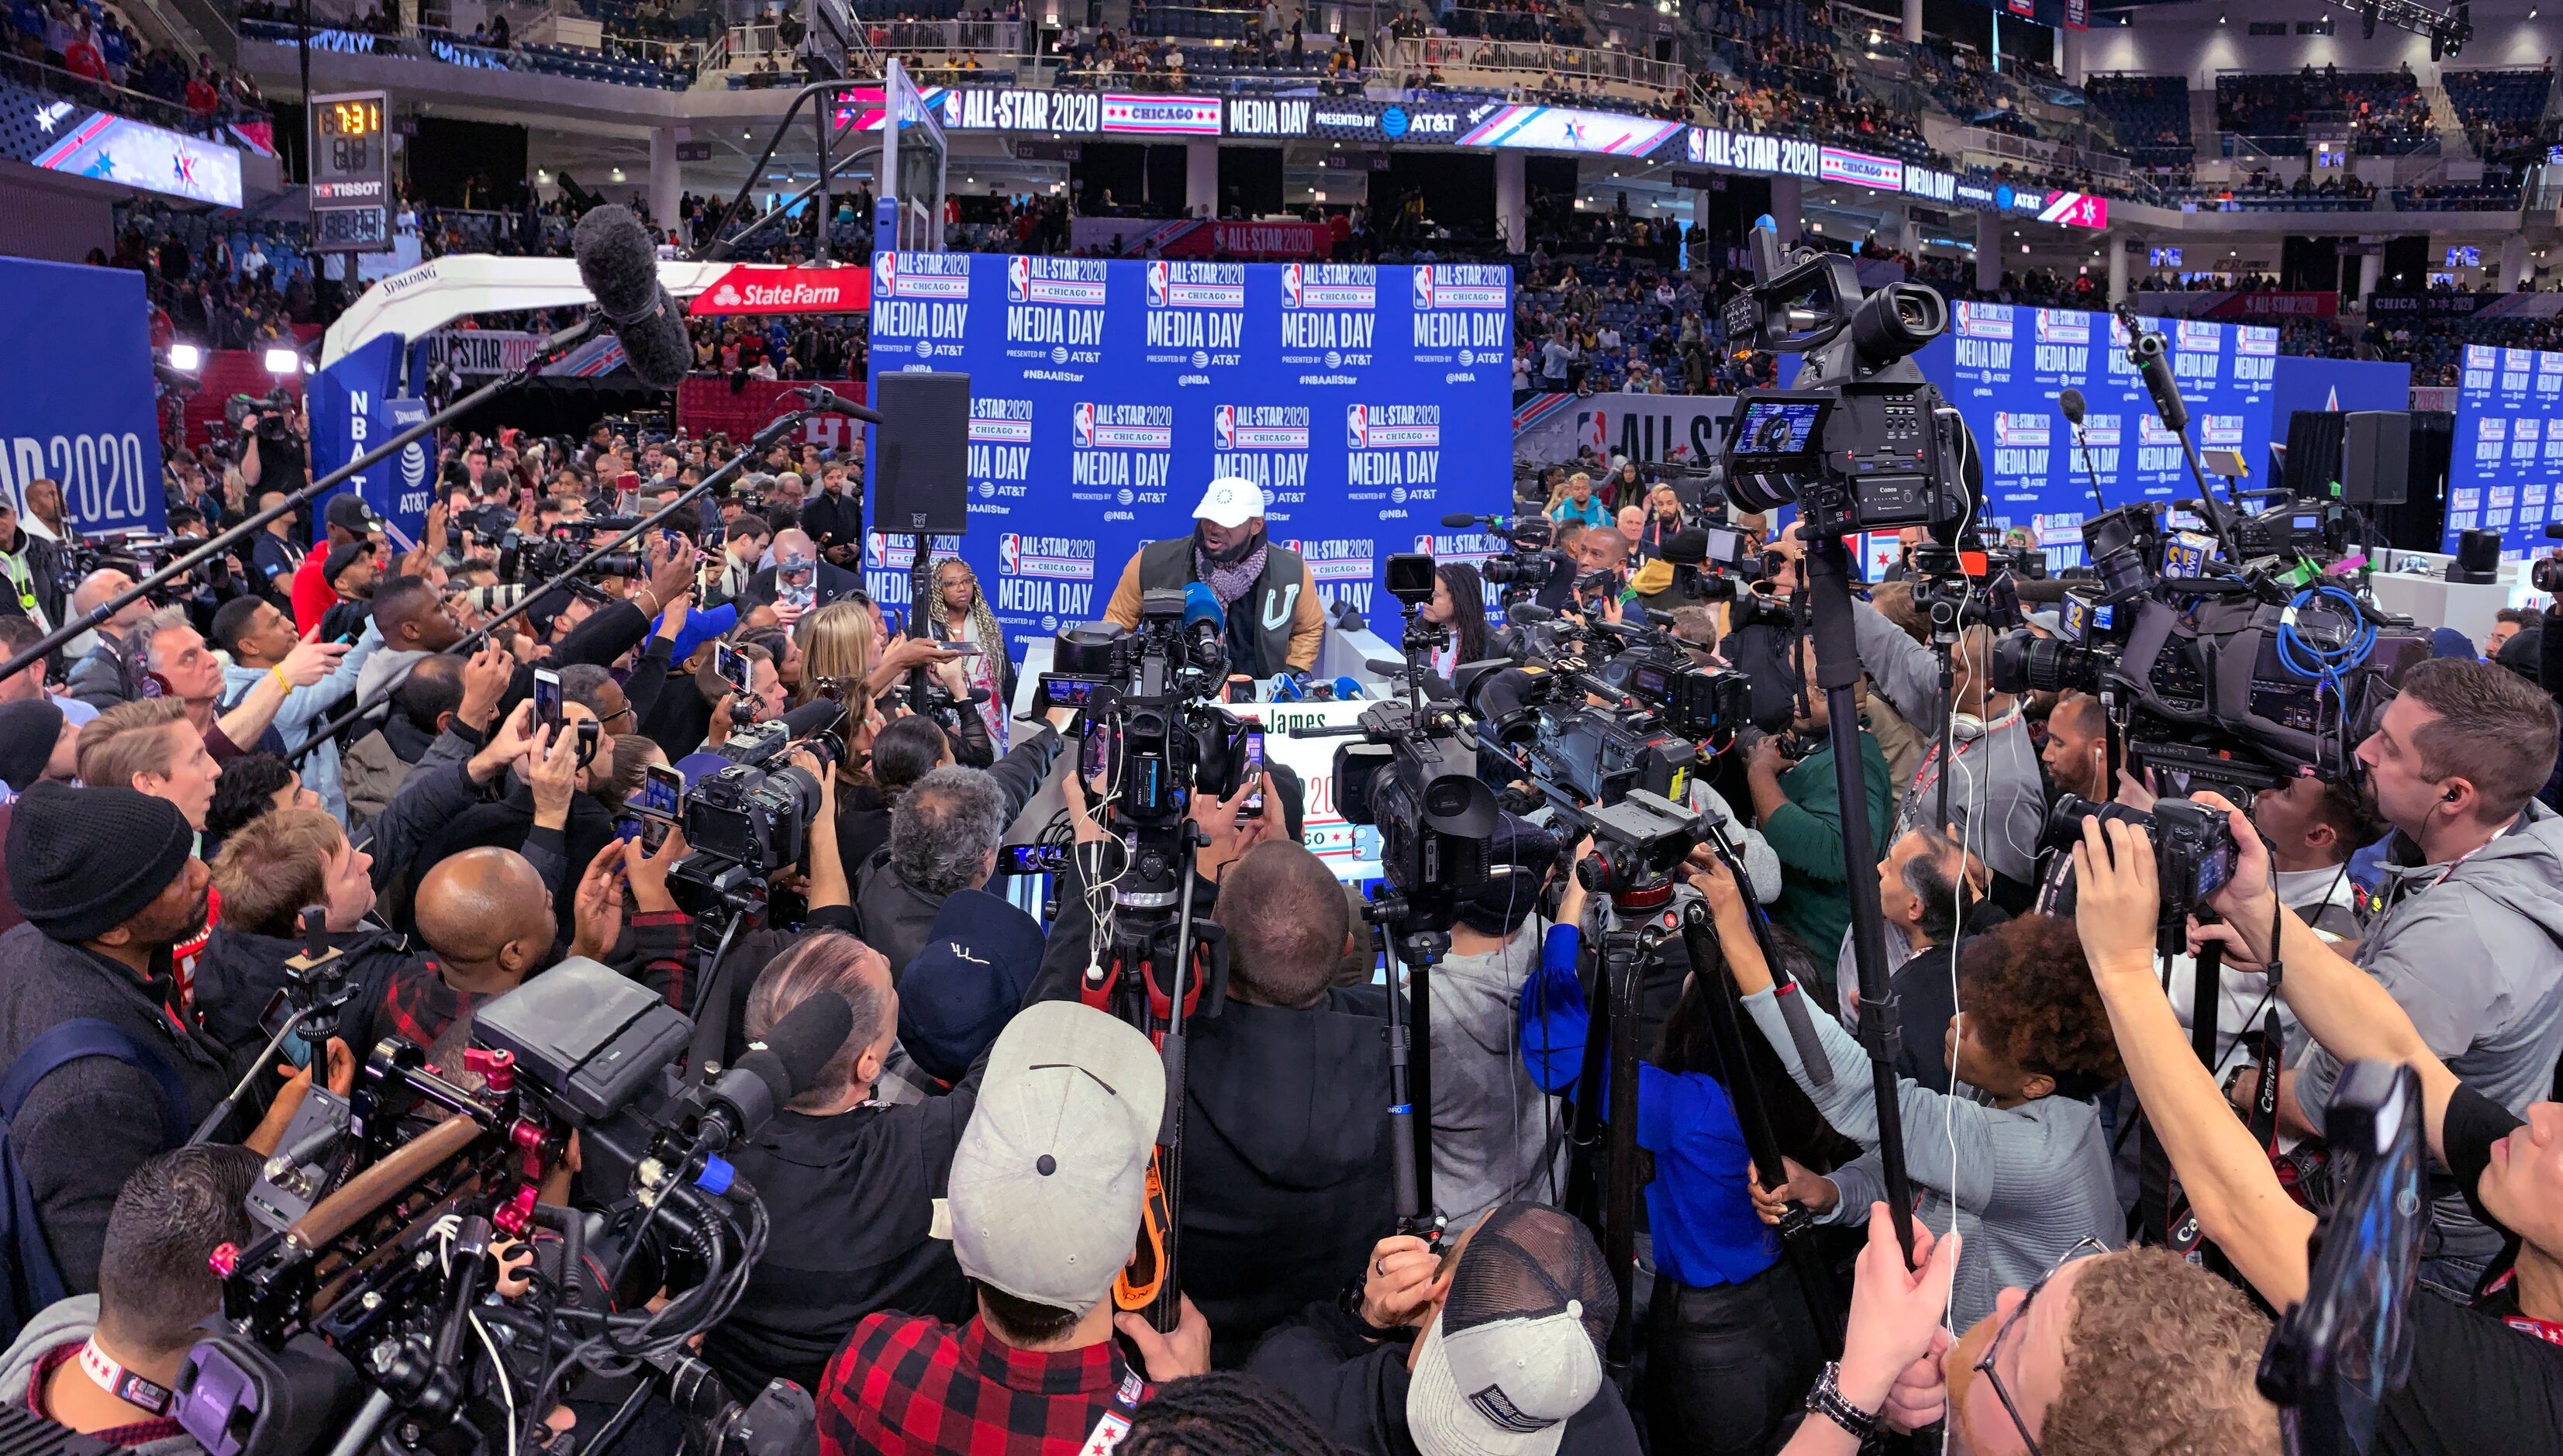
(1229, 581)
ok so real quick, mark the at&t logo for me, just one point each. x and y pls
(1125, 497)
(1201, 358)
(1058, 353)
(1334, 360)
(987, 491)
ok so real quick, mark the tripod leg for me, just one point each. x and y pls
(1620, 962)
(1418, 1074)
(1836, 637)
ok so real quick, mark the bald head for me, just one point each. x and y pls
(98, 588)
(484, 912)
(794, 542)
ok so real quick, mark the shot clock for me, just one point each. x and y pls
(351, 172)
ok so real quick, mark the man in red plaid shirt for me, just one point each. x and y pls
(1045, 1189)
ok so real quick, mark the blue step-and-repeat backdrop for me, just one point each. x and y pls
(2003, 366)
(2507, 470)
(1105, 393)
(1366, 400)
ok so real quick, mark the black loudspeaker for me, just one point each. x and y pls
(2478, 559)
(2375, 457)
(921, 453)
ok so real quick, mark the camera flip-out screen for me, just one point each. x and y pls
(1777, 434)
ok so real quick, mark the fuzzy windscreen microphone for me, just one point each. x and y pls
(619, 264)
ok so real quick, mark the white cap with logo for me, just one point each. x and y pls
(1516, 1349)
(1047, 1178)
(1230, 503)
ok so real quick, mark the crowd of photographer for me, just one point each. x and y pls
(557, 984)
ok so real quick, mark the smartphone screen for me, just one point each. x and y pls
(1252, 771)
(548, 699)
(662, 789)
(733, 666)
(627, 828)
(653, 833)
(1093, 759)
(1032, 858)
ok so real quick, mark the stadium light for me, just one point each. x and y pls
(280, 360)
(186, 356)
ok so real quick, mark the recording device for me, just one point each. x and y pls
(2193, 848)
(1656, 707)
(618, 264)
(548, 699)
(1148, 697)
(733, 667)
(751, 817)
(1251, 772)
(1863, 443)
(526, 557)
(2215, 669)
(1032, 859)
(365, 1298)
(2546, 572)
(2334, 1356)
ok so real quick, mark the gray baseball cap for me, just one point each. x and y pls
(1518, 1348)
(1047, 1178)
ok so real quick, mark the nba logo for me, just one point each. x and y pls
(1009, 554)
(1424, 544)
(1082, 420)
(886, 273)
(1019, 278)
(1222, 423)
(1424, 286)
(1594, 429)
(1157, 285)
(1289, 286)
(1358, 426)
(872, 540)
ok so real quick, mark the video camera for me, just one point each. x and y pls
(525, 558)
(272, 409)
(750, 820)
(367, 1301)
(1863, 443)
(2215, 670)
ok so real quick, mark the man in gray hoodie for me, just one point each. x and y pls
(105, 1363)
(1997, 798)
(2468, 937)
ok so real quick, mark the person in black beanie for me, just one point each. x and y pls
(33, 745)
(108, 880)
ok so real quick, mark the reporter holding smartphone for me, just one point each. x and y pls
(962, 615)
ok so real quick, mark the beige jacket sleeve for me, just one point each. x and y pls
(1308, 624)
(1123, 609)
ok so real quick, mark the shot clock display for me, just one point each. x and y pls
(351, 172)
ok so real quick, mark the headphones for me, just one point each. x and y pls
(1967, 727)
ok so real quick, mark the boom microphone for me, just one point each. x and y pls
(2145, 351)
(2071, 401)
(618, 263)
(779, 1066)
(1459, 519)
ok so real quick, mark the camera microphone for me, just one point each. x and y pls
(1527, 614)
(1201, 605)
(1686, 547)
(618, 264)
(816, 715)
(2146, 352)
(779, 1066)
(2071, 401)
(1459, 519)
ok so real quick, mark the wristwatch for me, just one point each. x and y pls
(1826, 1400)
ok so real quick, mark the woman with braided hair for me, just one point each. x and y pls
(1224, 1414)
(965, 617)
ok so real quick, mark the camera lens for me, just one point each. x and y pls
(2547, 573)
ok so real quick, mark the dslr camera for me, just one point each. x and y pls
(2193, 848)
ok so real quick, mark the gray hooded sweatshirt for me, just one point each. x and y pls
(2473, 951)
(1497, 1138)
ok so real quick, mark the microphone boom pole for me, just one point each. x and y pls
(97, 616)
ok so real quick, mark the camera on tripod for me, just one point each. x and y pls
(750, 820)
(1863, 443)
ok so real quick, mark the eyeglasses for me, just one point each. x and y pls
(1985, 1365)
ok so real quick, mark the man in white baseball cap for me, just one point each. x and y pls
(1274, 621)
(1043, 1210)
(1509, 1362)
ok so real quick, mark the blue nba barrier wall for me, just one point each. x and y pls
(1366, 400)
(77, 405)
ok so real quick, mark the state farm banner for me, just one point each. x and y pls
(707, 402)
(764, 288)
(1139, 237)
(2251, 304)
